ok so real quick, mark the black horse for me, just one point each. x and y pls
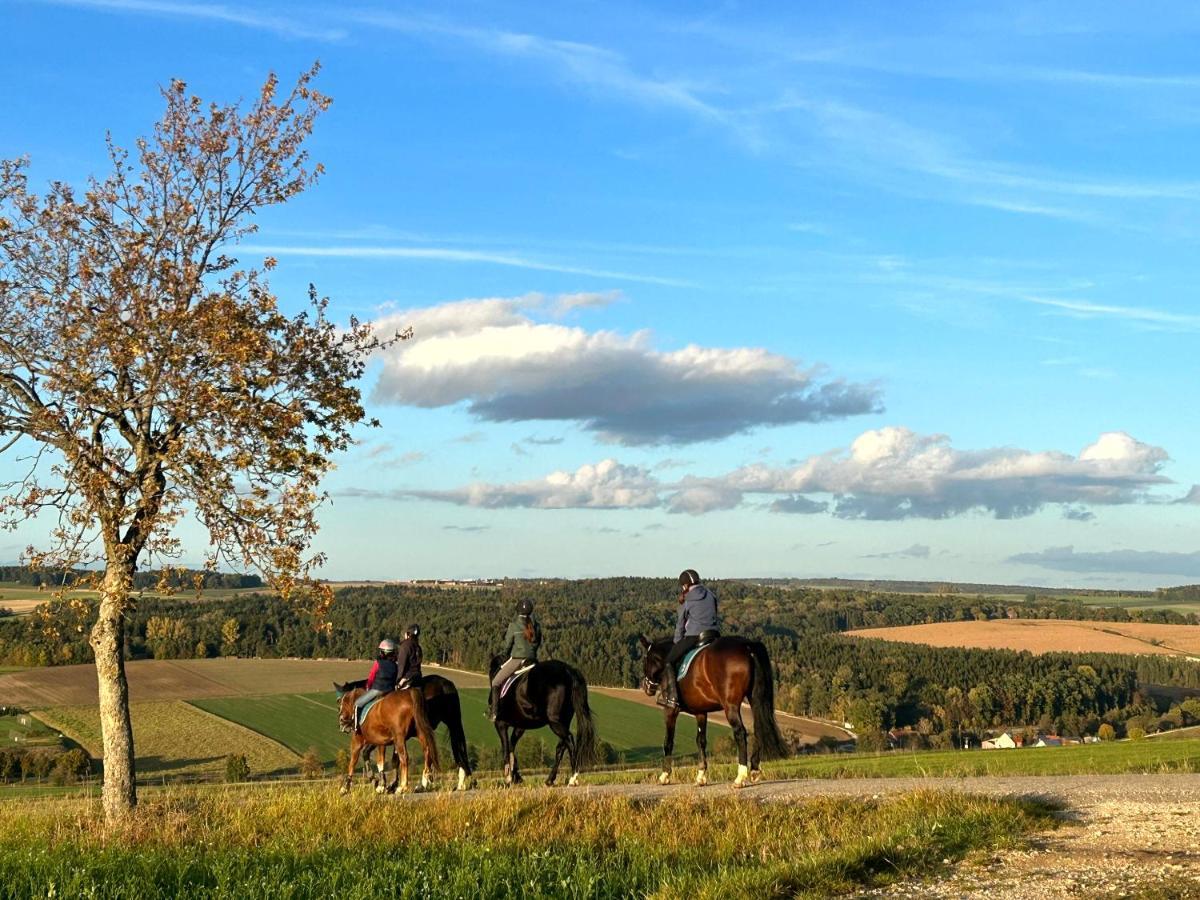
(442, 707)
(548, 694)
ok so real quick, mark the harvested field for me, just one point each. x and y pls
(1048, 636)
(175, 738)
(184, 679)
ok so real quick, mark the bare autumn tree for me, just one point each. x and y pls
(146, 376)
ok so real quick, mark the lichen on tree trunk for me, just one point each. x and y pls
(116, 727)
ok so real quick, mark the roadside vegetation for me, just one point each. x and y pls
(301, 843)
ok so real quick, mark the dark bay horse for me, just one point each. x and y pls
(390, 721)
(551, 693)
(727, 671)
(442, 707)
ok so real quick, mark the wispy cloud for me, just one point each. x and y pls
(441, 254)
(289, 26)
(1147, 562)
(1144, 315)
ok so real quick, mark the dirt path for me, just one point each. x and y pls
(1122, 835)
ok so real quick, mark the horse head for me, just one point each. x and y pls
(652, 664)
(346, 697)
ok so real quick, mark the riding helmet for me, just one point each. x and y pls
(525, 607)
(387, 645)
(412, 631)
(689, 578)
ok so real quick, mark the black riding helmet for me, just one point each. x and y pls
(689, 578)
(525, 607)
(413, 631)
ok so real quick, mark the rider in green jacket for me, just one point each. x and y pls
(521, 643)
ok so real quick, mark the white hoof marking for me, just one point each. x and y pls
(664, 778)
(702, 777)
(462, 779)
(573, 780)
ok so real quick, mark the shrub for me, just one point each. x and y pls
(311, 765)
(1106, 732)
(1135, 733)
(237, 768)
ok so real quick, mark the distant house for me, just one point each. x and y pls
(1048, 740)
(1003, 742)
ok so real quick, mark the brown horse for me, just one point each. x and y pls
(442, 707)
(727, 671)
(389, 722)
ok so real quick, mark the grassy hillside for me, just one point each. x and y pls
(175, 739)
(300, 721)
(299, 843)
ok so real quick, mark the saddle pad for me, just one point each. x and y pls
(687, 660)
(366, 710)
(514, 678)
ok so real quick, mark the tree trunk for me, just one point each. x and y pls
(116, 728)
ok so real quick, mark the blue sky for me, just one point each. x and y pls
(761, 290)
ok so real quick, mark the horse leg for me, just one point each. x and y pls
(514, 776)
(702, 746)
(502, 730)
(355, 752)
(670, 714)
(402, 760)
(564, 743)
(458, 746)
(756, 774)
(734, 715)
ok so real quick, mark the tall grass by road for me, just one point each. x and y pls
(307, 842)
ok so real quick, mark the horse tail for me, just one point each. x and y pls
(771, 744)
(585, 728)
(424, 730)
(453, 720)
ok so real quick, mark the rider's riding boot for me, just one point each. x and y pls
(669, 696)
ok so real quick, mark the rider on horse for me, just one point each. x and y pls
(408, 658)
(521, 643)
(697, 614)
(382, 679)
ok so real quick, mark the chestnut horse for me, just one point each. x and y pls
(442, 707)
(389, 721)
(726, 672)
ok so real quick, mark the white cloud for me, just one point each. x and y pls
(1148, 562)
(889, 473)
(605, 485)
(507, 366)
(287, 26)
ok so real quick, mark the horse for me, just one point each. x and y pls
(550, 693)
(442, 707)
(389, 721)
(728, 671)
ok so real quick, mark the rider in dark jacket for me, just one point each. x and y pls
(381, 680)
(408, 658)
(697, 614)
(521, 643)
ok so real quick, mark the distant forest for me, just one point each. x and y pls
(595, 624)
(183, 578)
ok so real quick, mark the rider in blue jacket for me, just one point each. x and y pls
(697, 614)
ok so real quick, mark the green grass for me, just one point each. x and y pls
(301, 721)
(299, 843)
(1116, 758)
(32, 734)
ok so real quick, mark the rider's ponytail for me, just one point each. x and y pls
(529, 632)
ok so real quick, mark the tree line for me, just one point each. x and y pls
(594, 624)
(171, 578)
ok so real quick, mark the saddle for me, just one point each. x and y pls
(514, 678)
(706, 638)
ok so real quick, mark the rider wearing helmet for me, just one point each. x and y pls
(697, 614)
(521, 643)
(408, 658)
(382, 679)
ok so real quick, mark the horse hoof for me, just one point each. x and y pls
(549, 782)
(344, 791)
(701, 778)
(573, 781)
(738, 785)
(756, 776)
(664, 778)
(380, 789)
